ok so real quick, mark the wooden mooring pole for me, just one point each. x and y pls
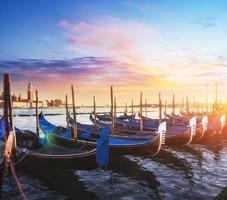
(141, 111)
(67, 111)
(111, 102)
(94, 109)
(160, 108)
(37, 112)
(75, 135)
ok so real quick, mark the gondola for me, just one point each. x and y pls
(201, 131)
(33, 151)
(126, 116)
(104, 117)
(89, 134)
(178, 135)
(2, 158)
(107, 117)
(214, 124)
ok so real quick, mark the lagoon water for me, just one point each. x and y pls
(192, 172)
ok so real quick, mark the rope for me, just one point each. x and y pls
(82, 146)
(17, 180)
(22, 158)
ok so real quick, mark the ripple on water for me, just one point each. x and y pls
(190, 172)
(107, 184)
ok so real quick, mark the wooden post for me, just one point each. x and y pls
(194, 105)
(75, 136)
(36, 112)
(160, 108)
(197, 106)
(187, 108)
(8, 111)
(94, 109)
(10, 105)
(165, 108)
(173, 109)
(146, 107)
(111, 99)
(6, 94)
(67, 110)
(216, 97)
(126, 109)
(132, 107)
(141, 111)
(115, 110)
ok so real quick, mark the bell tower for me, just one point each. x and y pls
(30, 92)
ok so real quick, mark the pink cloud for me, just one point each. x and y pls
(111, 37)
(80, 26)
(64, 24)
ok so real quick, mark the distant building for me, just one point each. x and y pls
(58, 102)
(18, 102)
(55, 103)
(30, 92)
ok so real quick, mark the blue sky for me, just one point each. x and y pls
(156, 43)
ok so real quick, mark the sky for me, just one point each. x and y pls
(167, 46)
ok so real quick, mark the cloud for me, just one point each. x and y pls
(64, 24)
(86, 70)
(144, 7)
(132, 45)
(108, 37)
(206, 22)
(73, 27)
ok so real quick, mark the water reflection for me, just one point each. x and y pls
(108, 184)
(168, 158)
(197, 171)
(61, 180)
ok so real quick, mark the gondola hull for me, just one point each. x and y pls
(179, 139)
(172, 139)
(151, 147)
(32, 159)
(119, 145)
(33, 151)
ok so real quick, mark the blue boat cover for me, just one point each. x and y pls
(2, 132)
(50, 128)
(121, 141)
(2, 129)
(85, 135)
(102, 151)
(43, 140)
(46, 125)
(66, 134)
(130, 140)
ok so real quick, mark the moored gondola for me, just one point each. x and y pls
(120, 144)
(35, 151)
(175, 135)
(209, 124)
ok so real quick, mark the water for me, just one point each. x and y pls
(197, 171)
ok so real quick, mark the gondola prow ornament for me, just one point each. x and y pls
(205, 123)
(192, 124)
(222, 119)
(162, 132)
